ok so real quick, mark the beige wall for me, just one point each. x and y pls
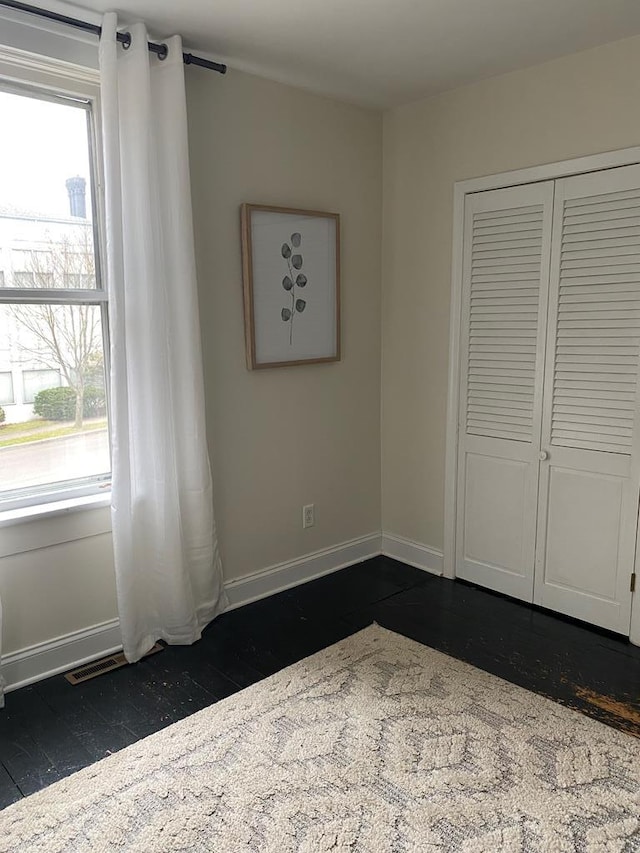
(56, 590)
(279, 438)
(286, 437)
(582, 104)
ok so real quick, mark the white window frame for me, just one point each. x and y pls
(62, 82)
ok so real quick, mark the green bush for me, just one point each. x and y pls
(94, 404)
(2, 415)
(55, 404)
(59, 404)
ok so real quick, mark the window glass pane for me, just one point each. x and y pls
(6, 389)
(46, 216)
(58, 350)
(54, 436)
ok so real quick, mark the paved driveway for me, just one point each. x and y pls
(54, 459)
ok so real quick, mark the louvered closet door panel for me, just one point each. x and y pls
(504, 299)
(506, 269)
(589, 484)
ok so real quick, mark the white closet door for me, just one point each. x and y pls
(506, 274)
(588, 501)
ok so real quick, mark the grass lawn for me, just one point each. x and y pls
(37, 430)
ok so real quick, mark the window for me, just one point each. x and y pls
(53, 306)
(26, 278)
(34, 381)
(79, 280)
(6, 389)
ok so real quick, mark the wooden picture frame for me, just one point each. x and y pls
(291, 282)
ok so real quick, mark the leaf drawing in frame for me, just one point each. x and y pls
(290, 267)
(292, 281)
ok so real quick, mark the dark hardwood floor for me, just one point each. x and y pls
(52, 729)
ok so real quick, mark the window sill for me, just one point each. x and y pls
(54, 508)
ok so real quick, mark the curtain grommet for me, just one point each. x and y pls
(126, 41)
(163, 52)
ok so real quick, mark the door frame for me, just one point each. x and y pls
(534, 174)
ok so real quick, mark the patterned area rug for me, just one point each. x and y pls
(375, 745)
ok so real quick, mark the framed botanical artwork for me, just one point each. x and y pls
(291, 276)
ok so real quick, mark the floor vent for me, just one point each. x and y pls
(98, 667)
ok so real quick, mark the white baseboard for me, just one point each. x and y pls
(412, 553)
(294, 572)
(64, 653)
(61, 654)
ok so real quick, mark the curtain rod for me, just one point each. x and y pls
(124, 38)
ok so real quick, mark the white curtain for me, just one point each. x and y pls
(168, 572)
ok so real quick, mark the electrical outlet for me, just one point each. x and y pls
(308, 518)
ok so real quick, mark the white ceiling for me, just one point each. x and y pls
(384, 52)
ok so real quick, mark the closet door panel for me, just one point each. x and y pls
(589, 483)
(505, 269)
(586, 543)
(499, 502)
(584, 518)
